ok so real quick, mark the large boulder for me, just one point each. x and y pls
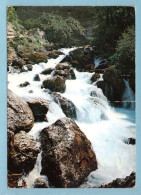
(82, 59)
(67, 155)
(55, 84)
(67, 106)
(112, 85)
(20, 116)
(23, 154)
(39, 108)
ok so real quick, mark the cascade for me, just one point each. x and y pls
(104, 126)
(128, 96)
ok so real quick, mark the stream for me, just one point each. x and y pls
(106, 127)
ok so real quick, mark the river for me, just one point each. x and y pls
(106, 127)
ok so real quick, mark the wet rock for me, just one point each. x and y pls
(127, 182)
(26, 83)
(130, 140)
(47, 71)
(17, 63)
(39, 108)
(71, 74)
(55, 84)
(41, 183)
(24, 69)
(30, 91)
(100, 71)
(82, 58)
(23, 153)
(112, 85)
(20, 116)
(102, 64)
(67, 155)
(13, 179)
(95, 77)
(36, 78)
(67, 106)
(66, 74)
(29, 67)
(63, 66)
(132, 83)
(54, 54)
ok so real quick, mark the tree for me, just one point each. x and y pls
(110, 23)
(124, 57)
(58, 29)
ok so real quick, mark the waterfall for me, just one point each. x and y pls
(104, 126)
(128, 96)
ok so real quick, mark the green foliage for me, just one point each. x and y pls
(110, 23)
(12, 15)
(57, 29)
(124, 57)
(29, 24)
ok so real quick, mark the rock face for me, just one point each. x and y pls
(55, 84)
(67, 106)
(41, 183)
(95, 77)
(83, 59)
(112, 85)
(39, 108)
(23, 153)
(20, 116)
(67, 156)
(127, 182)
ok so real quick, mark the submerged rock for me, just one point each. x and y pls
(39, 108)
(67, 106)
(25, 84)
(67, 155)
(127, 182)
(20, 116)
(130, 140)
(23, 153)
(36, 78)
(41, 183)
(55, 84)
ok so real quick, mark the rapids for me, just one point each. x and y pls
(105, 126)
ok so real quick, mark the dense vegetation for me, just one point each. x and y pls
(114, 36)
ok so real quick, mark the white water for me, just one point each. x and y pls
(103, 125)
(128, 96)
